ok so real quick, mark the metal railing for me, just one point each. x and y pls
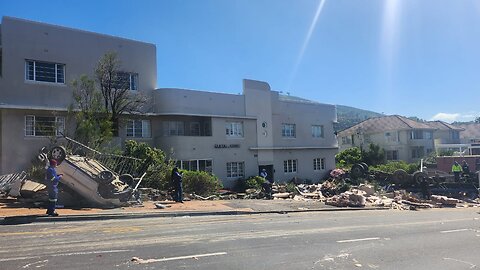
(115, 163)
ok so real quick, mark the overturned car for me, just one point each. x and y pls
(102, 180)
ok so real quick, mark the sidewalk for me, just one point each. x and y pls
(12, 212)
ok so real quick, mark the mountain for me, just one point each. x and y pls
(350, 116)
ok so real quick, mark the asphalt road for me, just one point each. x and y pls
(429, 239)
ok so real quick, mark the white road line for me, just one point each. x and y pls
(141, 261)
(452, 231)
(64, 254)
(358, 240)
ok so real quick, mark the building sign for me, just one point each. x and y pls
(227, 145)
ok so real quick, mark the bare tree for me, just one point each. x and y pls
(116, 88)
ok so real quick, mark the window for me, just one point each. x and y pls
(418, 152)
(420, 135)
(187, 128)
(317, 132)
(288, 130)
(204, 165)
(455, 134)
(392, 136)
(234, 129)
(139, 128)
(391, 154)
(235, 169)
(43, 126)
(173, 128)
(44, 71)
(318, 164)
(127, 80)
(346, 140)
(290, 166)
(194, 129)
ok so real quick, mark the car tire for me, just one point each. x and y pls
(58, 153)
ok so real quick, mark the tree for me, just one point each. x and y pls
(115, 89)
(374, 156)
(349, 157)
(93, 122)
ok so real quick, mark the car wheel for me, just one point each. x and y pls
(105, 176)
(400, 177)
(357, 171)
(58, 153)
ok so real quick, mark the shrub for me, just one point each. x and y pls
(390, 167)
(201, 183)
(348, 157)
(254, 182)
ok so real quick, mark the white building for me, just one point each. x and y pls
(232, 136)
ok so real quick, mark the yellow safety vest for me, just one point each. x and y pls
(456, 168)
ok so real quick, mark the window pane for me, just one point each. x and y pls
(60, 73)
(45, 126)
(146, 130)
(130, 129)
(29, 125)
(29, 70)
(44, 72)
(133, 81)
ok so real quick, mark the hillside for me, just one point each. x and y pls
(350, 116)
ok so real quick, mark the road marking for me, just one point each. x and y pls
(64, 254)
(452, 231)
(142, 261)
(36, 264)
(471, 264)
(358, 240)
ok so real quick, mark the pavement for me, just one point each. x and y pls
(18, 212)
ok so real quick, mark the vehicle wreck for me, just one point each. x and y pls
(101, 180)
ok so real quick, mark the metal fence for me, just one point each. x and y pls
(115, 163)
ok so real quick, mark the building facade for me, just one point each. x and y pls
(231, 136)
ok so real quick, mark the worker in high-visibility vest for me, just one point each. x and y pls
(456, 169)
(52, 179)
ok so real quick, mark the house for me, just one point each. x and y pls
(231, 136)
(400, 137)
(470, 136)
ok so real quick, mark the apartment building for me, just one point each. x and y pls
(231, 136)
(400, 137)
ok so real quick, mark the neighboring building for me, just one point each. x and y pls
(470, 136)
(400, 137)
(232, 136)
(446, 137)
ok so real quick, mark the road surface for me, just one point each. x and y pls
(427, 239)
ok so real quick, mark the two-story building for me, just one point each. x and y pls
(400, 137)
(232, 136)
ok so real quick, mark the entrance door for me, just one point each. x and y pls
(269, 169)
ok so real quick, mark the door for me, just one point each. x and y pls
(269, 169)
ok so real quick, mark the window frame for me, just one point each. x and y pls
(239, 171)
(289, 130)
(34, 77)
(181, 164)
(131, 128)
(393, 155)
(234, 129)
(59, 122)
(319, 164)
(315, 129)
(290, 166)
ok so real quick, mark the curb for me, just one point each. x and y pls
(17, 220)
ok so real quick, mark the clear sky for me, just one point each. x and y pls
(409, 57)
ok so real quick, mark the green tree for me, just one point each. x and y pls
(157, 167)
(348, 157)
(374, 156)
(115, 89)
(94, 127)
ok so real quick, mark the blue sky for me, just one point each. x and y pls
(408, 57)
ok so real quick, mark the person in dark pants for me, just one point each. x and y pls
(177, 184)
(456, 170)
(266, 185)
(52, 179)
